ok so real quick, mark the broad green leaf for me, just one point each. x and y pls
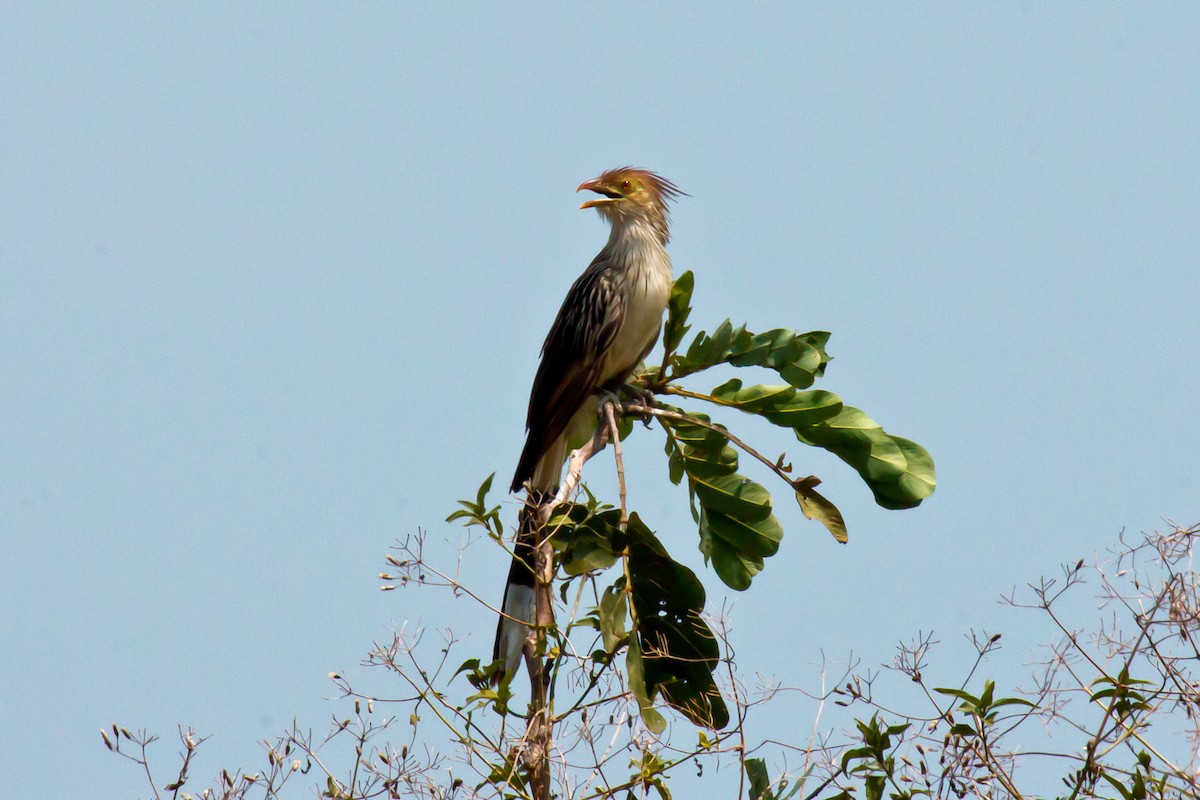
(798, 358)
(733, 568)
(782, 405)
(760, 784)
(752, 398)
(678, 309)
(898, 471)
(712, 463)
(709, 349)
(734, 495)
(816, 506)
(760, 538)
(587, 540)
(696, 450)
(674, 462)
(745, 530)
(635, 669)
(805, 408)
(677, 650)
(614, 610)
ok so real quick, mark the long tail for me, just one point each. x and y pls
(519, 604)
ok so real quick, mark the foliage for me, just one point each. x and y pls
(635, 678)
(1110, 712)
(734, 513)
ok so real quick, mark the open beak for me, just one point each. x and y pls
(594, 185)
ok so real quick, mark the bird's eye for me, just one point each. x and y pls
(624, 184)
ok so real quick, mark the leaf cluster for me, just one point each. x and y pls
(654, 609)
(736, 524)
(737, 527)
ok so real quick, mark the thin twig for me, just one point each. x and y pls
(615, 435)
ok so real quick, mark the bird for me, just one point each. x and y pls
(607, 325)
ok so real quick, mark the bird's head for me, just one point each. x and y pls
(630, 195)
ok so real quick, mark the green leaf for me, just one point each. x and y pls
(709, 349)
(968, 699)
(734, 495)
(614, 610)
(635, 669)
(737, 528)
(805, 408)
(678, 309)
(799, 359)
(701, 450)
(816, 506)
(782, 405)
(677, 651)
(587, 538)
(898, 471)
(733, 568)
(1013, 701)
(759, 538)
(476, 512)
(760, 784)
(752, 398)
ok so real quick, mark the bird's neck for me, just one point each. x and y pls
(638, 243)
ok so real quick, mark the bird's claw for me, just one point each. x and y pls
(642, 396)
(622, 396)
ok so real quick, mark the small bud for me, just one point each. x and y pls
(295, 765)
(333, 676)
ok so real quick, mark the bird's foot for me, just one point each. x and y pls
(638, 394)
(606, 396)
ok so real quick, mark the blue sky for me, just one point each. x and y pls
(273, 280)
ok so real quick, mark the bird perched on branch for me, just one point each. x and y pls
(606, 326)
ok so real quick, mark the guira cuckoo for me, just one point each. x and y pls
(606, 326)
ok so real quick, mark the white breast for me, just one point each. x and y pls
(648, 288)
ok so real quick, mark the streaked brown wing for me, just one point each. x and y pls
(572, 356)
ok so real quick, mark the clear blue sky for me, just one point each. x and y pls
(273, 281)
